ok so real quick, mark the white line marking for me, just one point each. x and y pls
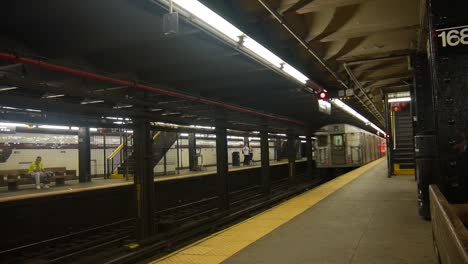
(442, 29)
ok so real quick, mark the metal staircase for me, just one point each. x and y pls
(403, 146)
(162, 142)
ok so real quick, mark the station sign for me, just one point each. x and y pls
(7, 130)
(324, 106)
(398, 106)
(453, 38)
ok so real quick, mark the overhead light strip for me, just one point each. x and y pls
(205, 17)
(400, 99)
(338, 103)
(7, 89)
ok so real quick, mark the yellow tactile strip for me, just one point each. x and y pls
(220, 246)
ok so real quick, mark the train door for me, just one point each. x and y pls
(338, 150)
(322, 158)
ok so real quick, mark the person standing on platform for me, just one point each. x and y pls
(246, 153)
(36, 169)
(250, 155)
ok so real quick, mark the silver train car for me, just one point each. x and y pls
(346, 146)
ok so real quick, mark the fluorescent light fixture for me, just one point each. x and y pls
(211, 20)
(54, 127)
(122, 106)
(32, 110)
(303, 141)
(261, 51)
(401, 99)
(49, 96)
(205, 135)
(74, 128)
(13, 125)
(119, 122)
(155, 109)
(378, 129)
(295, 73)
(93, 129)
(11, 108)
(209, 17)
(235, 137)
(202, 127)
(254, 138)
(183, 134)
(92, 102)
(170, 113)
(8, 89)
(353, 112)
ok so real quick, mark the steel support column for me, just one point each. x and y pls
(84, 155)
(265, 157)
(222, 168)
(291, 144)
(308, 153)
(144, 184)
(192, 145)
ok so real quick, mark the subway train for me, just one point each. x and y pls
(346, 146)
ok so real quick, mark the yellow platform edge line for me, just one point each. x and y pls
(397, 171)
(221, 245)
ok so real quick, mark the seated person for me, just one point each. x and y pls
(36, 169)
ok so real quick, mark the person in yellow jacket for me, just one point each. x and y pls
(36, 169)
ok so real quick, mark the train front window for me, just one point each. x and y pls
(338, 140)
(322, 141)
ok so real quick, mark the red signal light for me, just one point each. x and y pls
(323, 95)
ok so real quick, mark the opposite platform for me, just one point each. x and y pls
(372, 219)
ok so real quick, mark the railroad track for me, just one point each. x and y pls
(177, 226)
(59, 249)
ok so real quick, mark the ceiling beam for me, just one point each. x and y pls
(300, 4)
(364, 32)
(386, 78)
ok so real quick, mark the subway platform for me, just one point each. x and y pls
(359, 217)
(28, 191)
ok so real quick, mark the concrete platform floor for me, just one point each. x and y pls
(373, 219)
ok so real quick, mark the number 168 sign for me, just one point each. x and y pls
(453, 37)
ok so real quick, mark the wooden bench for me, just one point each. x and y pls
(449, 228)
(60, 174)
(12, 178)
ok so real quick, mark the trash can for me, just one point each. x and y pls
(235, 159)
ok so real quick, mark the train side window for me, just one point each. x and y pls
(322, 141)
(338, 140)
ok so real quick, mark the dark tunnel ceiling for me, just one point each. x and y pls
(124, 40)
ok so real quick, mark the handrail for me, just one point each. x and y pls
(118, 149)
(156, 135)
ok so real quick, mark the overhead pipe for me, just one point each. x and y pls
(377, 114)
(383, 59)
(90, 75)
